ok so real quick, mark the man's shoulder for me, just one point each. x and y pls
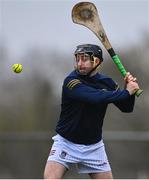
(108, 80)
(71, 76)
(103, 77)
(71, 80)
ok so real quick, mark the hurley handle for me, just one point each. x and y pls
(121, 68)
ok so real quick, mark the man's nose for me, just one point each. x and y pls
(79, 63)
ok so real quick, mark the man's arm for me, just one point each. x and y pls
(127, 104)
(131, 85)
(77, 90)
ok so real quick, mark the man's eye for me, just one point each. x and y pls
(86, 58)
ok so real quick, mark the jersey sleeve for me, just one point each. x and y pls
(77, 90)
(125, 105)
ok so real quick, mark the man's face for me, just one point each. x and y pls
(83, 63)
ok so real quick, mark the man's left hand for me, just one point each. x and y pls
(129, 78)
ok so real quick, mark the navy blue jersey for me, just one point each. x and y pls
(84, 103)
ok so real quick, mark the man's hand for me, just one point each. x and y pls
(130, 83)
(129, 78)
(132, 87)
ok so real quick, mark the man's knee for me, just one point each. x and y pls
(48, 172)
(54, 170)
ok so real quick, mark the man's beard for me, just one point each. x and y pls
(83, 72)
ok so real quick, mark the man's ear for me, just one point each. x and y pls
(97, 60)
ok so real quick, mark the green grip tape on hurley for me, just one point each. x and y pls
(118, 63)
(138, 92)
(121, 68)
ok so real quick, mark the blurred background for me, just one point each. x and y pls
(40, 35)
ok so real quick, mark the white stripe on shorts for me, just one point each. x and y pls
(89, 158)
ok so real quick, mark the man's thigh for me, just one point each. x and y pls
(54, 170)
(102, 175)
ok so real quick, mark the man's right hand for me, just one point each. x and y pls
(132, 87)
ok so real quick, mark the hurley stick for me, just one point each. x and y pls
(86, 14)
